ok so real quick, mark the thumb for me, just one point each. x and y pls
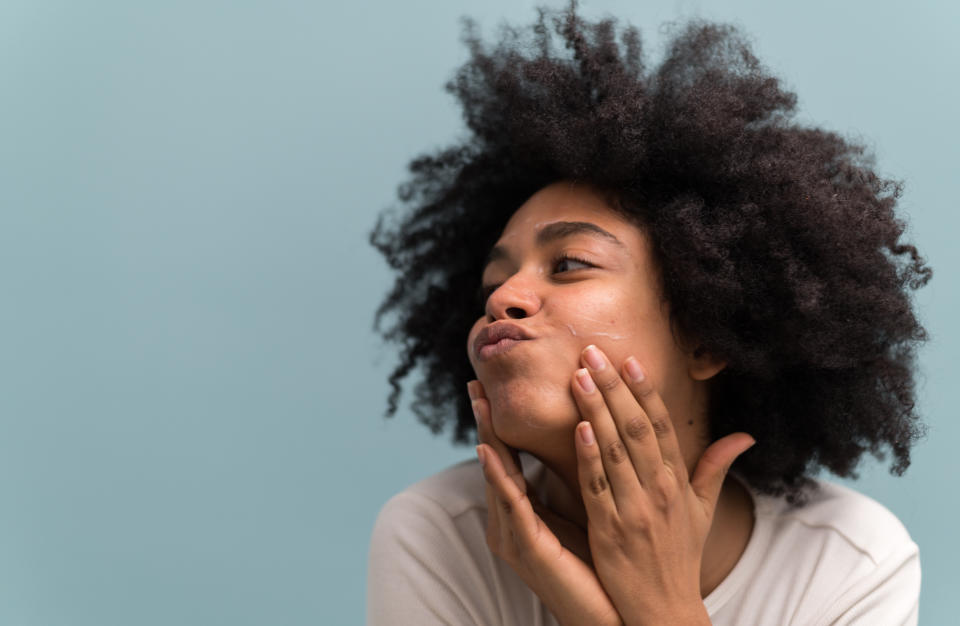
(714, 465)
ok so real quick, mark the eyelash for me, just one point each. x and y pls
(483, 293)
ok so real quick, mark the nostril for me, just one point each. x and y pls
(516, 313)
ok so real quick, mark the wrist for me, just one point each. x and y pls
(694, 614)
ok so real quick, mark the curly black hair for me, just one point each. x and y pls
(778, 244)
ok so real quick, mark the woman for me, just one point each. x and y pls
(688, 305)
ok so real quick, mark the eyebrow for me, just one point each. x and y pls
(554, 231)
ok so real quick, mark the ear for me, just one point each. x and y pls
(702, 365)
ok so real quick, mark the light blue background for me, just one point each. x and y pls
(190, 390)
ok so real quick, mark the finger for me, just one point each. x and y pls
(508, 456)
(517, 514)
(493, 516)
(475, 389)
(620, 472)
(481, 411)
(656, 411)
(714, 464)
(499, 536)
(633, 424)
(594, 488)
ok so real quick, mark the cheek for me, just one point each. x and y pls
(621, 328)
(600, 316)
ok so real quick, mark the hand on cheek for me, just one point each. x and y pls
(647, 519)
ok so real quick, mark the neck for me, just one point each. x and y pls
(729, 532)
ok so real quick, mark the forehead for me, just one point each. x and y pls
(570, 202)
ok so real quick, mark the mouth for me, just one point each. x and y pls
(499, 338)
(494, 349)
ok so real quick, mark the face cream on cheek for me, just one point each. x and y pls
(589, 332)
(607, 335)
(573, 331)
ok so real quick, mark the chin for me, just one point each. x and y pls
(526, 413)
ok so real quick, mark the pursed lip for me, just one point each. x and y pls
(497, 331)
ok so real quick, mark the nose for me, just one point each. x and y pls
(514, 299)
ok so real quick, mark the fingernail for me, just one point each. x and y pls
(634, 371)
(483, 460)
(476, 410)
(592, 356)
(586, 383)
(471, 391)
(586, 434)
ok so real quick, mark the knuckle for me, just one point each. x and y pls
(616, 453)
(509, 505)
(661, 426)
(609, 383)
(644, 388)
(616, 533)
(598, 484)
(662, 489)
(639, 523)
(683, 479)
(637, 428)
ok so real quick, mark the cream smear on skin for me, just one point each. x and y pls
(573, 332)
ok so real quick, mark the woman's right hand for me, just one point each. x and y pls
(518, 534)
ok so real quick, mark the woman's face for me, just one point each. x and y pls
(569, 272)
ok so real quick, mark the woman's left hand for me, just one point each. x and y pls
(648, 521)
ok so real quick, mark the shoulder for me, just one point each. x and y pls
(422, 565)
(840, 558)
(852, 558)
(426, 518)
(846, 517)
(429, 562)
(441, 503)
(454, 493)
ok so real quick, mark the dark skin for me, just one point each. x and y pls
(641, 521)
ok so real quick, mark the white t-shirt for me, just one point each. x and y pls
(840, 559)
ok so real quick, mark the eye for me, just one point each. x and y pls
(564, 262)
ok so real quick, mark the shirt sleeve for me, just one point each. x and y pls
(890, 596)
(420, 569)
